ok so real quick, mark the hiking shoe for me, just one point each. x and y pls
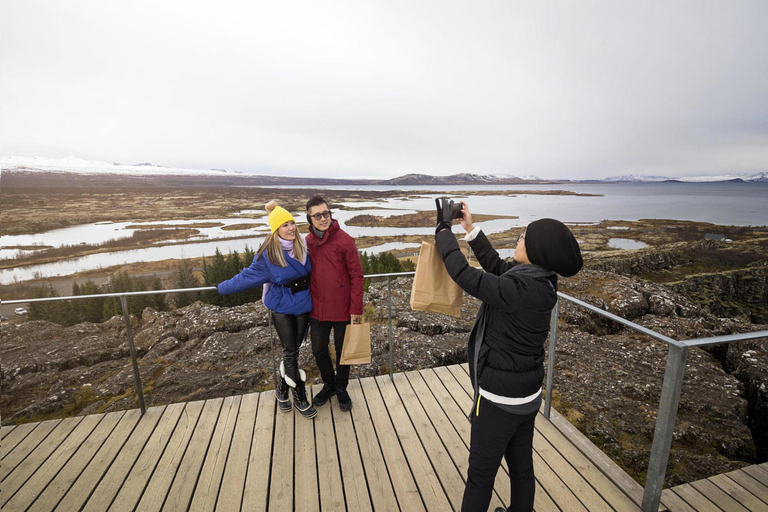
(324, 395)
(345, 403)
(283, 398)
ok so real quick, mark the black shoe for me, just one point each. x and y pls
(500, 509)
(301, 403)
(283, 398)
(345, 403)
(324, 395)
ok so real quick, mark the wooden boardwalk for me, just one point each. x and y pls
(404, 446)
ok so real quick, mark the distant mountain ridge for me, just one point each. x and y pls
(78, 165)
(761, 177)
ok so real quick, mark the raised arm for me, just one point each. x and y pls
(501, 293)
(487, 256)
(250, 277)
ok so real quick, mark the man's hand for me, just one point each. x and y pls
(356, 319)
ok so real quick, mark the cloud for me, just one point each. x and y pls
(383, 88)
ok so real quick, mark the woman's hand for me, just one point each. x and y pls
(444, 220)
(466, 218)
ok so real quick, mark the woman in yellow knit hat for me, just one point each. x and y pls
(282, 267)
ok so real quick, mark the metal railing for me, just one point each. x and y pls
(670, 390)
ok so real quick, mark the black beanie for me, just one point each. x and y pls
(550, 244)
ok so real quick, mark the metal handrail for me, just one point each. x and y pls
(668, 402)
(670, 391)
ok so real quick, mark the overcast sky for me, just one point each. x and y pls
(388, 87)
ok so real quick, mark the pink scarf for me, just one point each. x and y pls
(287, 245)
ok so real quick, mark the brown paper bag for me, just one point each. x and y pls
(433, 289)
(357, 344)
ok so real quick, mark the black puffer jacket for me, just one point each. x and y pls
(517, 316)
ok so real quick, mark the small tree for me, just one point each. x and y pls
(88, 310)
(185, 278)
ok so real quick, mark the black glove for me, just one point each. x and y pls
(444, 212)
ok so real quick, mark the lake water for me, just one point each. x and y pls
(718, 203)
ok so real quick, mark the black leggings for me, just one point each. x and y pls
(495, 434)
(291, 329)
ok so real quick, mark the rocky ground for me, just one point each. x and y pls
(607, 379)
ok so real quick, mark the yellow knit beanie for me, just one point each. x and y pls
(277, 215)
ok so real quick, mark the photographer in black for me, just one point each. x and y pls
(506, 345)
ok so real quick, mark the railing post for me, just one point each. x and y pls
(389, 314)
(665, 426)
(551, 359)
(136, 375)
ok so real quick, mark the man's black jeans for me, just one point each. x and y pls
(321, 338)
(495, 434)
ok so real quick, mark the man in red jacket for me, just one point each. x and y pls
(336, 286)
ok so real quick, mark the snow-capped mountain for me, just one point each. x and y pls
(83, 166)
(636, 177)
(761, 177)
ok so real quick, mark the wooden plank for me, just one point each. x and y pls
(89, 479)
(596, 478)
(113, 480)
(328, 469)
(188, 471)
(352, 470)
(718, 496)
(207, 489)
(607, 467)
(462, 377)
(572, 478)
(431, 489)
(48, 470)
(281, 482)
(28, 445)
(455, 403)
(4, 431)
(11, 438)
(674, 503)
(406, 491)
(757, 472)
(739, 493)
(452, 484)
(750, 484)
(256, 495)
(135, 482)
(382, 494)
(305, 479)
(555, 487)
(233, 483)
(59, 486)
(695, 499)
(160, 482)
(32, 457)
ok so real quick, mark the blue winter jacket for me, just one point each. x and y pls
(279, 297)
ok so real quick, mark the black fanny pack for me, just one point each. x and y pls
(299, 284)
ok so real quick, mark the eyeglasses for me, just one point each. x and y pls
(521, 237)
(322, 215)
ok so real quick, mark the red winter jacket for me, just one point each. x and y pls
(336, 282)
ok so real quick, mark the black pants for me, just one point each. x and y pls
(497, 433)
(291, 330)
(321, 338)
